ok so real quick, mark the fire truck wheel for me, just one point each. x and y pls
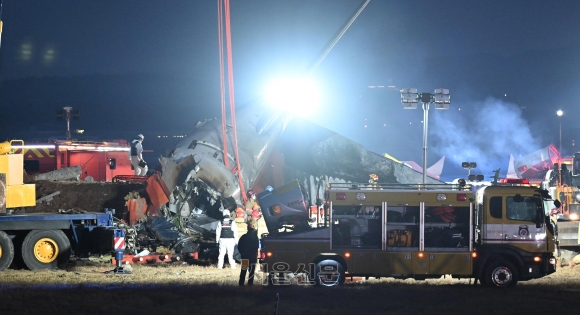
(46, 249)
(500, 273)
(329, 273)
(6, 250)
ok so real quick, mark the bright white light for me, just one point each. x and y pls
(297, 96)
(560, 112)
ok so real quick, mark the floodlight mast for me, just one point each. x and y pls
(410, 98)
(468, 166)
(560, 113)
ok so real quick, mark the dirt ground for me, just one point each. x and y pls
(81, 196)
(84, 288)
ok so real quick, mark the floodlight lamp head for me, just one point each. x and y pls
(441, 96)
(468, 165)
(409, 91)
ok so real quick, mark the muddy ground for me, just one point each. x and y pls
(81, 196)
(178, 288)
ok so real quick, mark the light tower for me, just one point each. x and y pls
(560, 113)
(67, 112)
(410, 98)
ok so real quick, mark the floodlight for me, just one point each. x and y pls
(75, 114)
(299, 96)
(410, 98)
(468, 165)
(409, 91)
(441, 98)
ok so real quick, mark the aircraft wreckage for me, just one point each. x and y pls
(273, 150)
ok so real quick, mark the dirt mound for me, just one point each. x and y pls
(79, 195)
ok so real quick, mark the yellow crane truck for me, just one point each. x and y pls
(498, 235)
(563, 182)
(45, 240)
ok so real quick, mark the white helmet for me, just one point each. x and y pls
(140, 136)
(226, 213)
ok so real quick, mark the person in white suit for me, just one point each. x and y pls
(226, 235)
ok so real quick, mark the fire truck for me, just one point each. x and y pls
(102, 160)
(498, 235)
(45, 240)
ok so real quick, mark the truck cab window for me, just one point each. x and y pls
(495, 207)
(523, 211)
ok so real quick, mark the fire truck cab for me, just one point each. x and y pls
(499, 235)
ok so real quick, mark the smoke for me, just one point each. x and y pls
(483, 132)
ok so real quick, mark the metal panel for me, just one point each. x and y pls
(2, 193)
(331, 223)
(422, 226)
(392, 263)
(20, 196)
(360, 263)
(471, 226)
(34, 225)
(421, 264)
(384, 227)
(13, 166)
(568, 233)
(450, 263)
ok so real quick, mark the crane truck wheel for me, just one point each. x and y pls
(46, 249)
(328, 273)
(500, 273)
(6, 251)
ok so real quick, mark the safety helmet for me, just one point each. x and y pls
(226, 213)
(374, 177)
(269, 188)
(140, 136)
(250, 193)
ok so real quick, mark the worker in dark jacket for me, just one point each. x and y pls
(248, 247)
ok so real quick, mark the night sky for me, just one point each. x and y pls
(152, 67)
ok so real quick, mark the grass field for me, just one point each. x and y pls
(84, 288)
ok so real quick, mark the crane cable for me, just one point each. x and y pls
(225, 11)
(222, 85)
(0, 23)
